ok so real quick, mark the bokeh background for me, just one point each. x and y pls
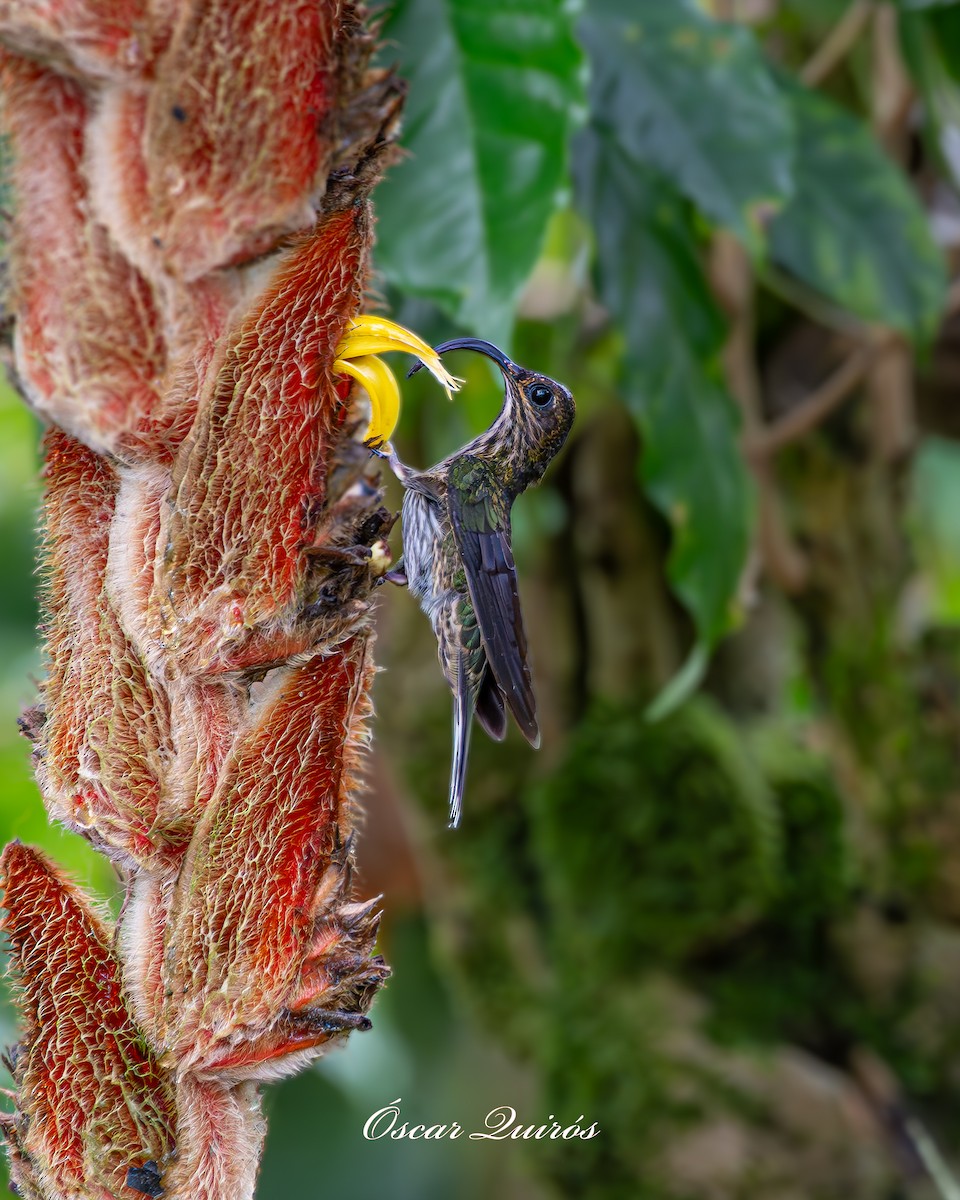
(719, 912)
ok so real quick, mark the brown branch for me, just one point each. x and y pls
(826, 398)
(820, 403)
(838, 43)
(889, 385)
(892, 93)
(733, 283)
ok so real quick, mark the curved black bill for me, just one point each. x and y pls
(470, 343)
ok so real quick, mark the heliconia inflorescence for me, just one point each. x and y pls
(189, 252)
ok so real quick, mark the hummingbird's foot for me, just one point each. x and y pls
(381, 449)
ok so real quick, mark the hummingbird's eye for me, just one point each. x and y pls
(540, 395)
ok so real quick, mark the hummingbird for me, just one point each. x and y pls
(457, 558)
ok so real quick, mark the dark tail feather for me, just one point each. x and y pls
(462, 722)
(491, 715)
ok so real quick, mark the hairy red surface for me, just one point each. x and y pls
(183, 269)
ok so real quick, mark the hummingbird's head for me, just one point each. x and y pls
(535, 419)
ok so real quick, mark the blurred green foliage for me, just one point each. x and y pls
(690, 126)
(651, 921)
(661, 919)
(853, 229)
(682, 833)
(936, 501)
(492, 93)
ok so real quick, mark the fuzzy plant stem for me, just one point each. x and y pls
(190, 238)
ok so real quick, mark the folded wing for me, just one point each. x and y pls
(480, 519)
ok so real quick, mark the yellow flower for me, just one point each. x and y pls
(356, 356)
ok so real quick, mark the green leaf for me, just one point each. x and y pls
(493, 91)
(931, 45)
(650, 276)
(935, 500)
(855, 231)
(694, 99)
(944, 28)
(918, 5)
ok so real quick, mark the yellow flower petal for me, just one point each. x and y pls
(381, 386)
(368, 335)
